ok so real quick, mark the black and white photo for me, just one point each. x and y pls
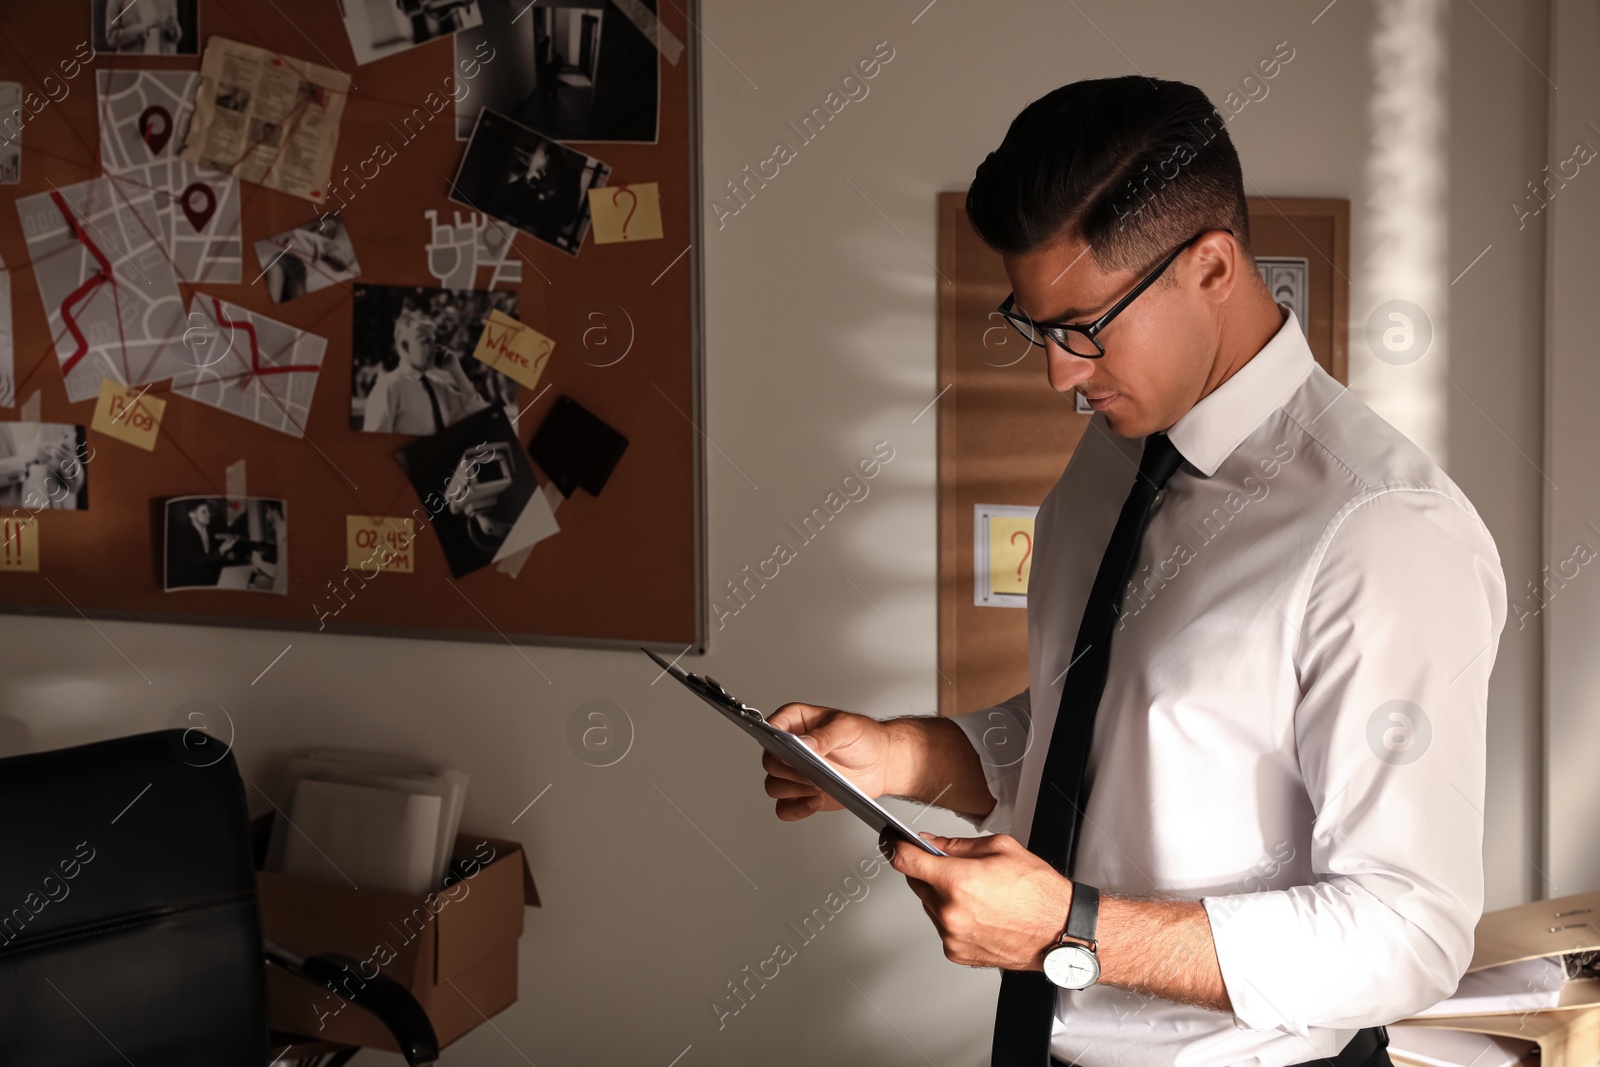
(307, 258)
(525, 179)
(42, 465)
(412, 368)
(379, 28)
(212, 546)
(146, 27)
(579, 70)
(475, 482)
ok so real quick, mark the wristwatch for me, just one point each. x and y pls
(1072, 962)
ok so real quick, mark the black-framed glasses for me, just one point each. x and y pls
(1082, 339)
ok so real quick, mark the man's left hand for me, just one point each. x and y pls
(994, 903)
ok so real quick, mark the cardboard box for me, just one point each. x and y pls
(456, 951)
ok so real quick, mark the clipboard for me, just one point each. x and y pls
(793, 751)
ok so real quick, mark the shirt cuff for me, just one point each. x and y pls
(980, 727)
(1250, 962)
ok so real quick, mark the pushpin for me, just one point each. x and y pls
(198, 216)
(155, 126)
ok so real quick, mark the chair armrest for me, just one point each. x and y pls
(381, 996)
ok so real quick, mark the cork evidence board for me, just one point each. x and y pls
(292, 469)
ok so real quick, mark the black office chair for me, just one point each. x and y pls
(129, 929)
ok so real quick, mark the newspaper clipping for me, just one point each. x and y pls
(266, 118)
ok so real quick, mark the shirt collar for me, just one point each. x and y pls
(1209, 432)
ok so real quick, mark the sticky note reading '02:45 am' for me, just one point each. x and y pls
(19, 544)
(128, 413)
(513, 349)
(376, 541)
(626, 213)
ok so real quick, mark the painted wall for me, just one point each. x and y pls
(665, 875)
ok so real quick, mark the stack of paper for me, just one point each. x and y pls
(1457, 1048)
(374, 820)
(1526, 985)
(1531, 994)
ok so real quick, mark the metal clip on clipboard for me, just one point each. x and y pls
(793, 751)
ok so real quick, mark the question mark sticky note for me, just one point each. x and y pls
(626, 213)
(129, 414)
(513, 349)
(19, 544)
(381, 542)
(1010, 553)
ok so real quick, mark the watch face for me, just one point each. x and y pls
(1071, 966)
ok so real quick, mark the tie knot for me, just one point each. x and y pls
(1160, 460)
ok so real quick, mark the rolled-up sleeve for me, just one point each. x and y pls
(1399, 622)
(999, 735)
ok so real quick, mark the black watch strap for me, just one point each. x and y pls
(1084, 914)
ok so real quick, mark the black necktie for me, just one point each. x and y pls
(433, 402)
(1026, 1012)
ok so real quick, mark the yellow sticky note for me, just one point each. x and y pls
(128, 413)
(626, 213)
(513, 349)
(377, 541)
(1010, 553)
(19, 544)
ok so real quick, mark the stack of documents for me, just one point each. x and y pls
(373, 820)
(1530, 996)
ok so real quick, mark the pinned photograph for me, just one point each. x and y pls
(581, 72)
(476, 483)
(525, 179)
(379, 28)
(411, 361)
(307, 258)
(42, 466)
(146, 27)
(1288, 280)
(210, 547)
(10, 136)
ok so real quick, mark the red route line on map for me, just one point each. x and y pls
(105, 277)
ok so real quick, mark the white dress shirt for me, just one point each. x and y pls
(1308, 579)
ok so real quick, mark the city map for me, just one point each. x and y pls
(108, 288)
(254, 367)
(144, 117)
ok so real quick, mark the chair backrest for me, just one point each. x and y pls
(129, 930)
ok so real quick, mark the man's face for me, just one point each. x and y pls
(202, 515)
(1159, 349)
(416, 344)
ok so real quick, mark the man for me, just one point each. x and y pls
(196, 554)
(423, 388)
(154, 29)
(1261, 624)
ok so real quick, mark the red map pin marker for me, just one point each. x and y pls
(199, 213)
(155, 126)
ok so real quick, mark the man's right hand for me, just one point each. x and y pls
(858, 745)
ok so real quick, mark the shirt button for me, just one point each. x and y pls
(1155, 502)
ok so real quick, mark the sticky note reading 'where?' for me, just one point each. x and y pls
(626, 213)
(1010, 553)
(375, 541)
(128, 413)
(19, 544)
(513, 349)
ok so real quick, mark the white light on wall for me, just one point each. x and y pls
(1400, 302)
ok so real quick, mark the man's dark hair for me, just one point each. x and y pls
(1133, 166)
